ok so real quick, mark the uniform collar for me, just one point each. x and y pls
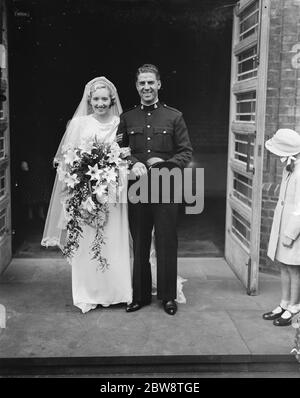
(150, 108)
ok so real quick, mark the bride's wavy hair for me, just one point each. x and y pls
(95, 87)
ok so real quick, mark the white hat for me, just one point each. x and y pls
(285, 142)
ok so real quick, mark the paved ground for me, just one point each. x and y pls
(218, 318)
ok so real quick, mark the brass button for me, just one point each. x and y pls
(149, 151)
(149, 114)
(131, 132)
(164, 131)
(148, 126)
(148, 138)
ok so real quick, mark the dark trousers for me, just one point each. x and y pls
(142, 218)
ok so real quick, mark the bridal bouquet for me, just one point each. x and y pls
(90, 173)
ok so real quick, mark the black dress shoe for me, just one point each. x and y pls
(170, 307)
(270, 316)
(284, 321)
(135, 306)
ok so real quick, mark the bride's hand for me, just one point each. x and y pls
(139, 169)
(125, 152)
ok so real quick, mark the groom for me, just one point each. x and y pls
(155, 133)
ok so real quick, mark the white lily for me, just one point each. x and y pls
(94, 172)
(71, 180)
(71, 157)
(99, 189)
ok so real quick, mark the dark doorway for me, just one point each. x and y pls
(56, 46)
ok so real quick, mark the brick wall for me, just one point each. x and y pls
(283, 104)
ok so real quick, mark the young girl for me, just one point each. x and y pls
(284, 243)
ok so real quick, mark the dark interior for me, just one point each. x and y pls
(55, 47)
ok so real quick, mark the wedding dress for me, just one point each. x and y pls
(91, 286)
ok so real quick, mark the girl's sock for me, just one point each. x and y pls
(294, 308)
(284, 304)
(278, 309)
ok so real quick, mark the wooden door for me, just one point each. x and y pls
(5, 190)
(246, 139)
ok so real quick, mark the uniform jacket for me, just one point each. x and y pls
(286, 221)
(156, 131)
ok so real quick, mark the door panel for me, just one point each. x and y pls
(246, 138)
(5, 191)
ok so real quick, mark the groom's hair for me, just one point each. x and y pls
(146, 68)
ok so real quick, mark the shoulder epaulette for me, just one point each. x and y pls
(130, 109)
(172, 109)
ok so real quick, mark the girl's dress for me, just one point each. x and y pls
(286, 220)
(113, 285)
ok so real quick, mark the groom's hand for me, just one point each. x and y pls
(139, 169)
(152, 161)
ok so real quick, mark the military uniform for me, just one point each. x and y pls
(155, 131)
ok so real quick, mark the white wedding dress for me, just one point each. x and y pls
(91, 286)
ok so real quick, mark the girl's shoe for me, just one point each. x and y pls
(285, 319)
(275, 314)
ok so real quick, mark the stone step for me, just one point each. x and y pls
(153, 366)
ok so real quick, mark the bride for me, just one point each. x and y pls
(97, 116)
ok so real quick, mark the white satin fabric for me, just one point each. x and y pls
(113, 285)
